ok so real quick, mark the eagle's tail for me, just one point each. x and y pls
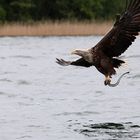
(117, 63)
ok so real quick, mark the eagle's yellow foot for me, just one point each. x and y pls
(107, 81)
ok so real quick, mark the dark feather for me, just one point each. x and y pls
(123, 33)
(79, 62)
(117, 63)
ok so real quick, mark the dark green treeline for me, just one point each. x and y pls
(40, 10)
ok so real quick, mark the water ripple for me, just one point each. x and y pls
(136, 76)
(23, 82)
(22, 56)
(23, 137)
(5, 80)
(77, 113)
(109, 130)
(133, 56)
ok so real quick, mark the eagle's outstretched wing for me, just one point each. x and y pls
(123, 33)
(79, 62)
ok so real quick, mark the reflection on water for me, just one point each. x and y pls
(109, 130)
(42, 100)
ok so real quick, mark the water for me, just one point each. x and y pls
(41, 100)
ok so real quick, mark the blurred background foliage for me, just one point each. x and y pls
(52, 10)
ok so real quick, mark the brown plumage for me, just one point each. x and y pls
(113, 44)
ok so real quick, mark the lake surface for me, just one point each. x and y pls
(40, 100)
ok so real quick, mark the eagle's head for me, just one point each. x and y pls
(86, 54)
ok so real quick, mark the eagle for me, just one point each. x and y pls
(105, 54)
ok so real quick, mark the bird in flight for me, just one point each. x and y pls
(104, 55)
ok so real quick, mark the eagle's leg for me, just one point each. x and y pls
(107, 80)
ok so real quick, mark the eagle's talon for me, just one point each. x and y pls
(107, 82)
